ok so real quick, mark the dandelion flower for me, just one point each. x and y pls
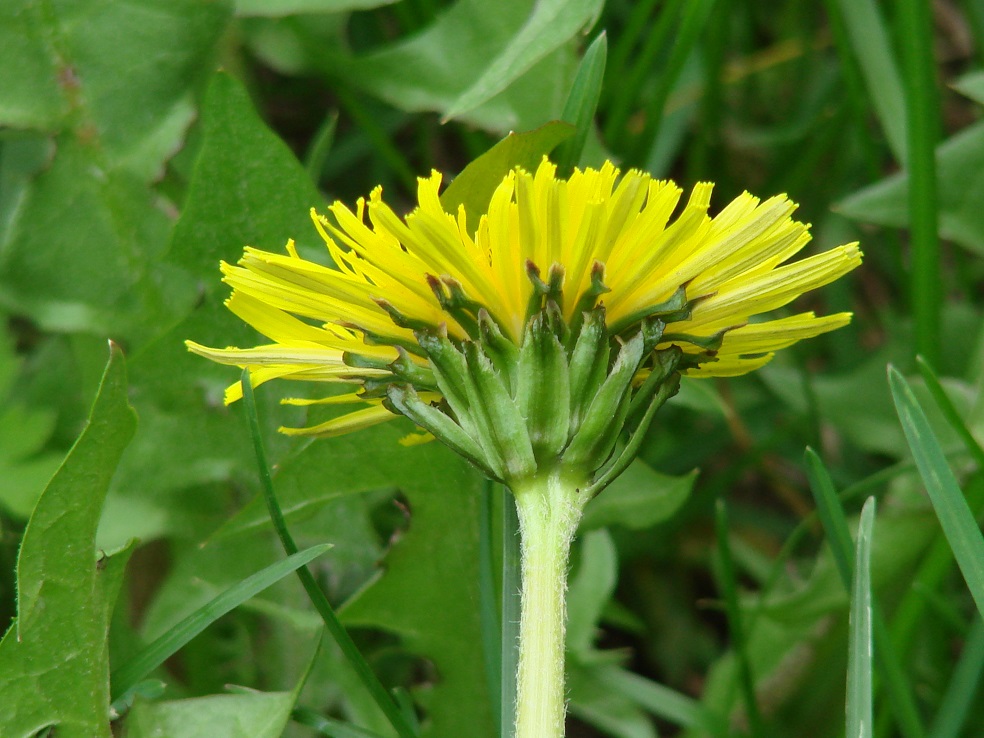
(528, 337)
(628, 248)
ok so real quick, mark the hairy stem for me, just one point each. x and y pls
(549, 509)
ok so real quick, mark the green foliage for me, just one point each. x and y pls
(54, 659)
(129, 167)
(476, 184)
(959, 163)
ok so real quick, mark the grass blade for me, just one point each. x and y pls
(695, 15)
(329, 726)
(831, 515)
(582, 103)
(662, 701)
(869, 41)
(859, 713)
(834, 522)
(736, 630)
(379, 694)
(317, 153)
(153, 655)
(630, 84)
(949, 410)
(958, 522)
(922, 114)
(961, 692)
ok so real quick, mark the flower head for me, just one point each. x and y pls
(468, 322)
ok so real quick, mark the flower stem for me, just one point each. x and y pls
(549, 510)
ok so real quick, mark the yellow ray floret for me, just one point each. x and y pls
(641, 239)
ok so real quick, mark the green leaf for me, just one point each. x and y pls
(611, 712)
(474, 187)
(91, 271)
(660, 700)
(638, 499)
(246, 188)
(255, 715)
(281, 8)
(415, 74)
(439, 623)
(140, 665)
(959, 525)
(591, 586)
(25, 465)
(113, 82)
(32, 95)
(971, 85)
(831, 515)
(318, 488)
(960, 176)
(843, 551)
(65, 62)
(859, 669)
(245, 714)
(551, 24)
(54, 661)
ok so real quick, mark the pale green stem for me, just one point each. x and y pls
(549, 509)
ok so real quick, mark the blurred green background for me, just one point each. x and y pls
(142, 142)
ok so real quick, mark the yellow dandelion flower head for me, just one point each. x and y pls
(622, 246)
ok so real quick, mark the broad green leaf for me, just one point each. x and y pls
(255, 715)
(596, 704)
(439, 624)
(591, 586)
(474, 187)
(245, 714)
(247, 188)
(971, 85)
(280, 8)
(115, 72)
(154, 654)
(34, 83)
(551, 24)
(54, 661)
(959, 524)
(960, 174)
(860, 665)
(25, 465)
(432, 69)
(91, 271)
(638, 499)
